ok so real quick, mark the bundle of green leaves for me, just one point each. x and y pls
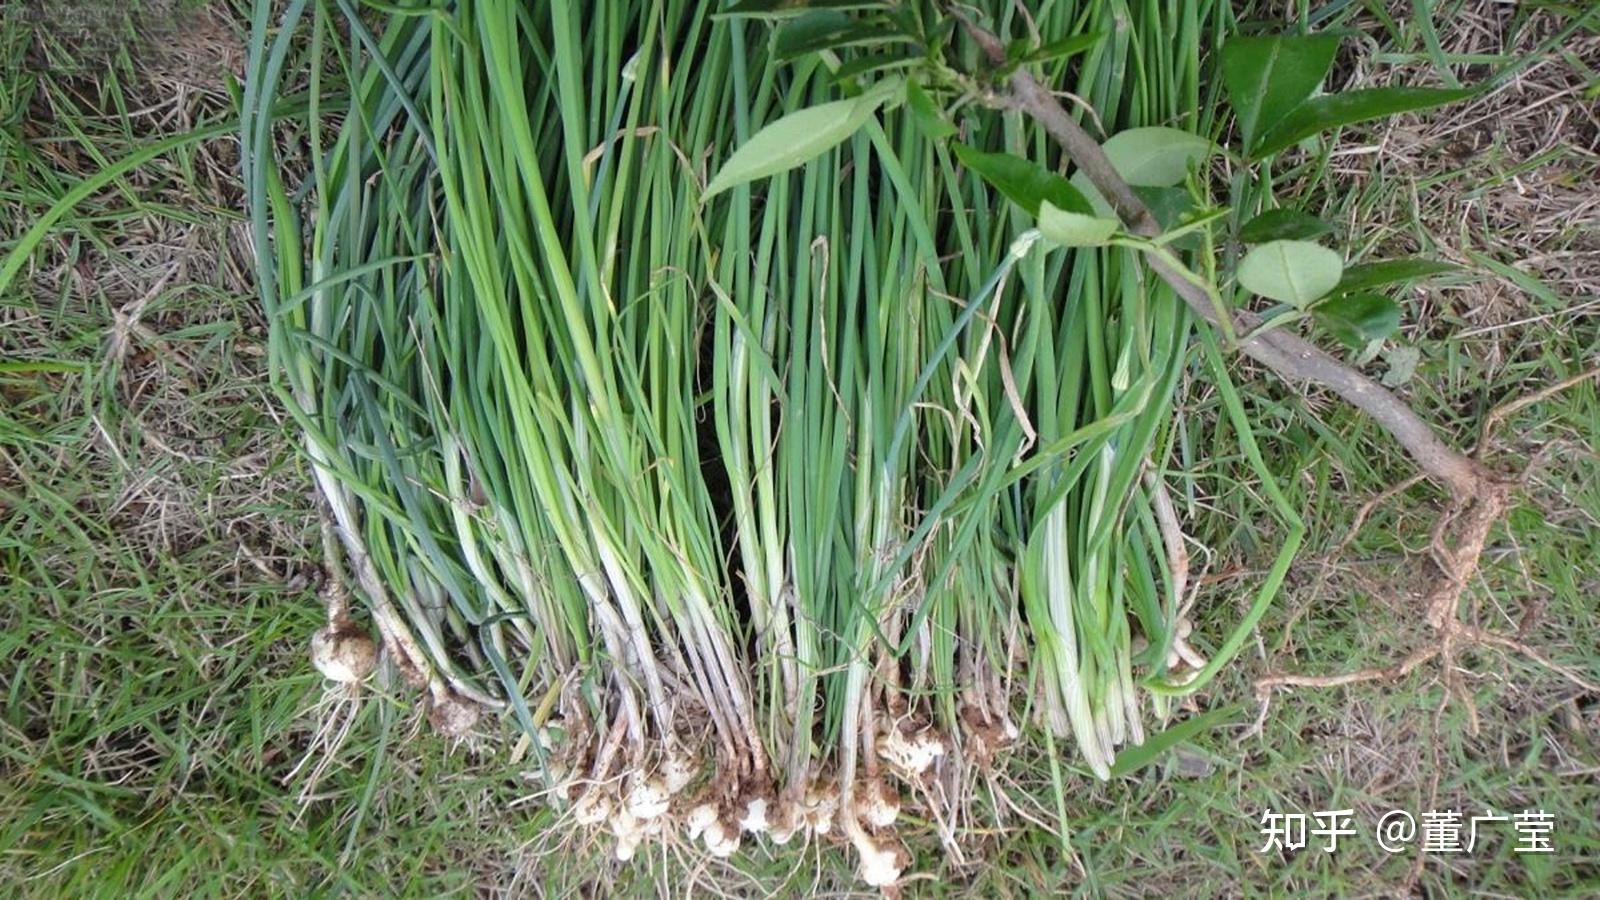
(739, 407)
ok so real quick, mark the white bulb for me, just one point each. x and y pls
(677, 770)
(721, 840)
(592, 808)
(755, 816)
(880, 866)
(343, 654)
(699, 819)
(648, 798)
(881, 805)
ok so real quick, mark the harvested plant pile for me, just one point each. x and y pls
(696, 391)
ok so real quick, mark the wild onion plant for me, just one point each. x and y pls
(735, 401)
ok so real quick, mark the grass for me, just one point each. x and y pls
(159, 551)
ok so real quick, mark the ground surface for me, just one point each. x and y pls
(160, 730)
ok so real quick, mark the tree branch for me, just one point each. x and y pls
(1287, 354)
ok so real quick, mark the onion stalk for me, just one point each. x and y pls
(757, 514)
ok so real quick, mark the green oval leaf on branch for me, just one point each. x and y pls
(1145, 157)
(1292, 272)
(1267, 77)
(798, 137)
(1283, 225)
(1074, 229)
(1024, 183)
(1156, 156)
(1352, 107)
(1358, 319)
(1390, 271)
